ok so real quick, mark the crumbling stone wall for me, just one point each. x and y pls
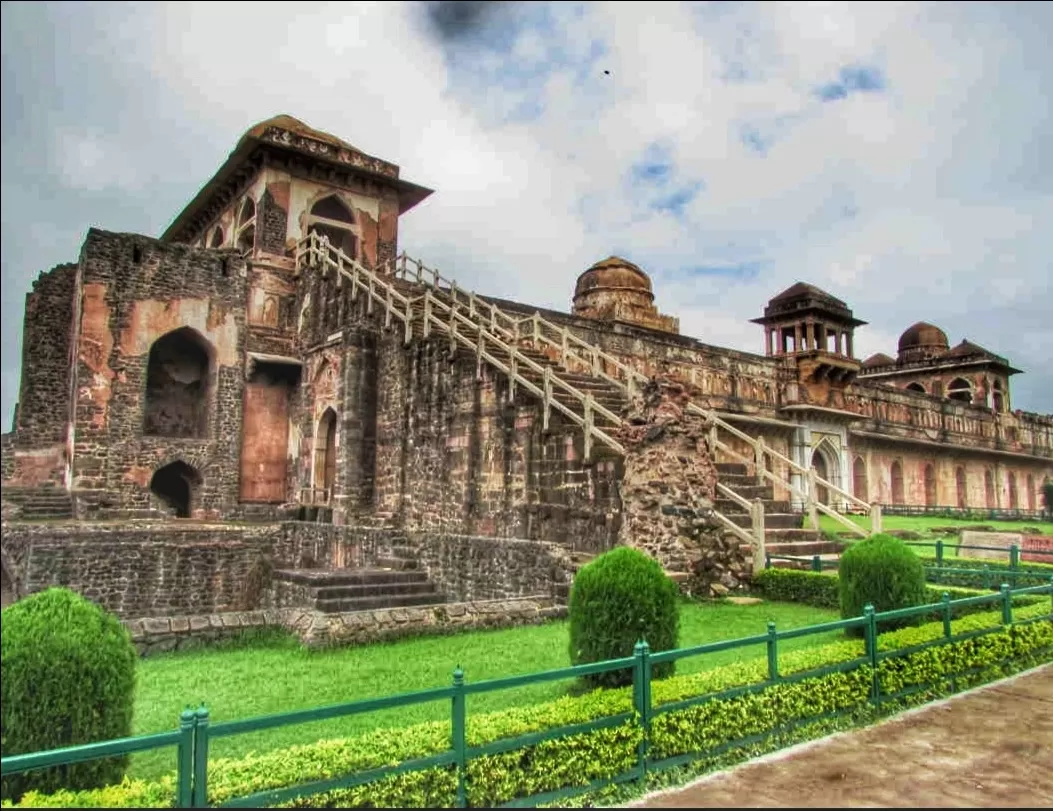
(136, 291)
(668, 492)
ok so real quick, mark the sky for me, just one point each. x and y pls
(898, 155)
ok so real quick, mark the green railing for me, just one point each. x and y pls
(195, 732)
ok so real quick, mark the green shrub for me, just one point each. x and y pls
(67, 676)
(579, 759)
(882, 571)
(616, 600)
(986, 574)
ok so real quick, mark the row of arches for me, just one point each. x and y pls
(962, 390)
(330, 217)
(929, 482)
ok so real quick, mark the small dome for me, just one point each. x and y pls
(878, 359)
(923, 335)
(613, 273)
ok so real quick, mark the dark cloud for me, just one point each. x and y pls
(458, 21)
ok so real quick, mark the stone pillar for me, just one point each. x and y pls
(796, 337)
(810, 335)
(799, 444)
(848, 344)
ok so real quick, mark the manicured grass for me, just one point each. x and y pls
(923, 524)
(281, 676)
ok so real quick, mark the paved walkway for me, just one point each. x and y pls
(991, 747)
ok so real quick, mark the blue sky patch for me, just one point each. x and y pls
(853, 78)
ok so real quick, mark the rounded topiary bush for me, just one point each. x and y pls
(616, 600)
(884, 572)
(67, 677)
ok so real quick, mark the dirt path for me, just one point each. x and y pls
(989, 748)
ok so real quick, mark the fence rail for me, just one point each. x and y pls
(195, 730)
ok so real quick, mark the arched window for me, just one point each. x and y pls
(989, 489)
(246, 228)
(178, 385)
(859, 479)
(1030, 492)
(998, 397)
(217, 238)
(330, 217)
(916, 387)
(174, 484)
(896, 476)
(960, 485)
(930, 485)
(325, 455)
(1014, 501)
(960, 389)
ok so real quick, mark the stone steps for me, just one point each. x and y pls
(347, 590)
(347, 605)
(40, 503)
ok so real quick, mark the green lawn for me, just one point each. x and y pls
(281, 676)
(923, 524)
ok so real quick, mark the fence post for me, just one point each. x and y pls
(760, 557)
(875, 518)
(773, 652)
(1014, 556)
(642, 699)
(185, 769)
(200, 791)
(870, 635)
(460, 745)
(946, 600)
(939, 552)
(767, 559)
(1007, 605)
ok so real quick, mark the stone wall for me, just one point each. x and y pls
(135, 291)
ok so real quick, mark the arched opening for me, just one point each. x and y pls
(246, 226)
(998, 397)
(178, 383)
(930, 485)
(859, 479)
(960, 389)
(331, 218)
(1030, 492)
(822, 495)
(325, 455)
(1014, 501)
(916, 387)
(960, 487)
(896, 476)
(175, 484)
(217, 238)
(989, 489)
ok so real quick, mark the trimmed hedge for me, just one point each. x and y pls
(618, 599)
(580, 759)
(1040, 573)
(67, 677)
(823, 591)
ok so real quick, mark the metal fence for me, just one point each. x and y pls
(195, 731)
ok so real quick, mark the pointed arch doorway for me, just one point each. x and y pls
(325, 456)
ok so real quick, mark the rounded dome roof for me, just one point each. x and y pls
(613, 273)
(922, 334)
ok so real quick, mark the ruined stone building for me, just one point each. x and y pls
(229, 371)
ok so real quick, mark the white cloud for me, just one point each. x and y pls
(922, 201)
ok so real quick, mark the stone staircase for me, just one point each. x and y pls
(783, 533)
(346, 590)
(40, 503)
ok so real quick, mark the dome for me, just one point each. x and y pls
(923, 335)
(613, 273)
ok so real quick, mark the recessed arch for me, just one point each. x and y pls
(216, 241)
(989, 489)
(960, 389)
(333, 218)
(325, 453)
(916, 387)
(175, 485)
(179, 375)
(859, 479)
(896, 481)
(1014, 496)
(961, 486)
(929, 479)
(998, 397)
(1030, 492)
(247, 212)
(825, 462)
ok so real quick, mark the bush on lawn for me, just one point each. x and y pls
(67, 677)
(882, 571)
(616, 600)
